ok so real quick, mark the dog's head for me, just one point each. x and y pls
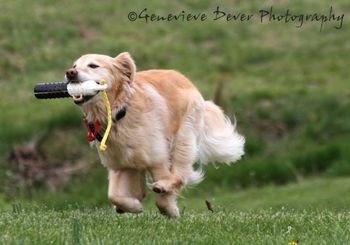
(114, 71)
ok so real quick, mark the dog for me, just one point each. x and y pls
(162, 126)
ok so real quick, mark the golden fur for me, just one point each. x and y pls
(167, 128)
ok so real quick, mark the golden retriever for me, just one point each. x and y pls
(166, 126)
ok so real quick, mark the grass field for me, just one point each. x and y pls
(307, 212)
(287, 87)
(102, 226)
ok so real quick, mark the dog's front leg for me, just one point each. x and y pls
(126, 190)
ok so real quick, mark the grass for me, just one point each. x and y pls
(102, 226)
(270, 215)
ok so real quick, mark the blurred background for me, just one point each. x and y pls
(288, 88)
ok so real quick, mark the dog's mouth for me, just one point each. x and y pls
(81, 99)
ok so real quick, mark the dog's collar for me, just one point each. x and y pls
(93, 128)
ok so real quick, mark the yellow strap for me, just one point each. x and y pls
(103, 145)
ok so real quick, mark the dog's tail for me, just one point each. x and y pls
(219, 140)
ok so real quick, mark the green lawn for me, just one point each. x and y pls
(102, 226)
(308, 212)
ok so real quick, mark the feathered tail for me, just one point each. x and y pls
(219, 139)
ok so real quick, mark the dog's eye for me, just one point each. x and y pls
(74, 66)
(93, 66)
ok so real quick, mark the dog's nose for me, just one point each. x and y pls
(72, 74)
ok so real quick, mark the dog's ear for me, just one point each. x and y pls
(125, 66)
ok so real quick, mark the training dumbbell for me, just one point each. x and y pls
(63, 89)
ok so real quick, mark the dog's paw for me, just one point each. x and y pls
(119, 210)
(158, 188)
(165, 186)
(171, 185)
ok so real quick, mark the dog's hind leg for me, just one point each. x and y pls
(184, 154)
(126, 190)
(166, 203)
